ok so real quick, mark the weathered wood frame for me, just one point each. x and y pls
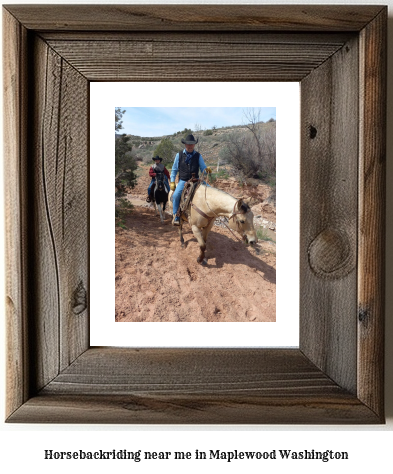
(338, 54)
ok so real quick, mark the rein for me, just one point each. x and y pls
(209, 218)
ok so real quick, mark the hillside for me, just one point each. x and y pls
(211, 143)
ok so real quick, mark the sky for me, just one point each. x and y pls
(158, 121)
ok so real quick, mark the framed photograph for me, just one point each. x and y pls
(337, 55)
(156, 279)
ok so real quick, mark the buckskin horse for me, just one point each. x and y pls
(209, 203)
(160, 194)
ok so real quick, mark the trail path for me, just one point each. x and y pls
(157, 280)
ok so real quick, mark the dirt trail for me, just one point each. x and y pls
(157, 280)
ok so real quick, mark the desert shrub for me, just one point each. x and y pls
(221, 174)
(165, 150)
(186, 131)
(252, 154)
(126, 178)
(262, 234)
(124, 159)
(123, 208)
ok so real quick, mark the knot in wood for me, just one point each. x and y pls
(313, 132)
(363, 316)
(330, 254)
(80, 299)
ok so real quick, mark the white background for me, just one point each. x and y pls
(104, 331)
(369, 447)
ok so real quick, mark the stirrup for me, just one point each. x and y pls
(148, 199)
(176, 220)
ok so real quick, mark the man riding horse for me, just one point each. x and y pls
(186, 163)
(158, 167)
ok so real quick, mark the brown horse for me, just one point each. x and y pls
(208, 204)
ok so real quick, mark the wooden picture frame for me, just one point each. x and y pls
(338, 54)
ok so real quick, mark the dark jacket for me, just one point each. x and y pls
(186, 170)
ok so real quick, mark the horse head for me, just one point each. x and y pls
(160, 181)
(242, 220)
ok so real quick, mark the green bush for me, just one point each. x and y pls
(222, 174)
(165, 150)
(123, 209)
(125, 179)
(262, 234)
(123, 156)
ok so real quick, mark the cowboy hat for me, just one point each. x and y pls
(189, 140)
(156, 158)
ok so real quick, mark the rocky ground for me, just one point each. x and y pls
(157, 280)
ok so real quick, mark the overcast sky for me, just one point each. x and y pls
(158, 121)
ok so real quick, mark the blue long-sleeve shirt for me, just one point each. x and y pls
(175, 166)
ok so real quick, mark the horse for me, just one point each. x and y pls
(207, 204)
(160, 194)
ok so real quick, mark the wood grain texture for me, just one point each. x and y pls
(193, 386)
(194, 409)
(203, 37)
(329, 173)
(59, 180)
(372, 190)
(203, 371)
(14, 69)
(200, 18)
(214, 60)
(335, 376)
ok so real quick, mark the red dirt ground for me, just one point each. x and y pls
(157, 280)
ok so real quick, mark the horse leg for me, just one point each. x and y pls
(202, 244)
(206, 230)
(160, 209)
(181, 235)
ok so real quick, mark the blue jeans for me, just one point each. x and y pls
(177, 194)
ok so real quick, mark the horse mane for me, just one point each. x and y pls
(244, 205)
(219, 190)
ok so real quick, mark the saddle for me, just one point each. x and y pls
(187, 194)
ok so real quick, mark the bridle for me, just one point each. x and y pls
(235, 213)
(159, 179)
(215, 216)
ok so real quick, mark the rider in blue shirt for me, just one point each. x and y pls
(186, 163)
